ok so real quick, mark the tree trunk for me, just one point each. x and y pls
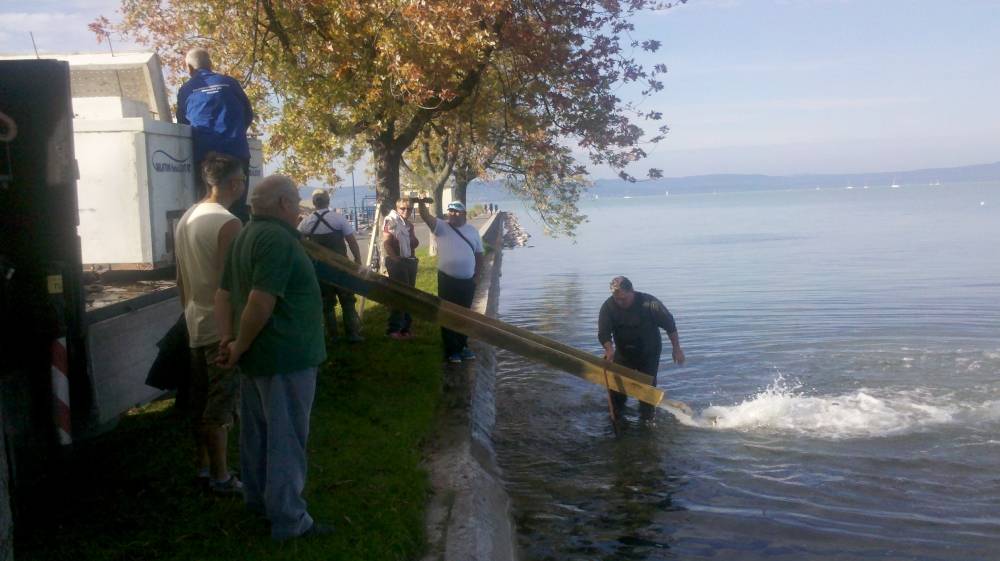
(438, 193)
(461, 187)
(464, 174)
(388, 156)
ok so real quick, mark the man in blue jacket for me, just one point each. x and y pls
(219, 113)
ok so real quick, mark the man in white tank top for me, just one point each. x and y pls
(202, 240)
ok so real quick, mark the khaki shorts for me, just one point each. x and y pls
(214, 390)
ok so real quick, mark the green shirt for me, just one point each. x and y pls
(267, 256)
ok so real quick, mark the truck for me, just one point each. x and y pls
(94, 174)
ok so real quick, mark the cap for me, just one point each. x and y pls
(456, 206)
(621, 283)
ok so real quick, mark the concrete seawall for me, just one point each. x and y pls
(468, 514)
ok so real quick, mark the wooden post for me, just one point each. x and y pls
(376, 238)
(342, 272)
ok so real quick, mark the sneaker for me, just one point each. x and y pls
(318, 529)
(467, 354)
(397, 336)
(202, 478)
(455, 358)
(231, 486)
(406, 335)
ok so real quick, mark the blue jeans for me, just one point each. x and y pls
(274, 427)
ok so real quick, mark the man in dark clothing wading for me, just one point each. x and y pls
(629, 330)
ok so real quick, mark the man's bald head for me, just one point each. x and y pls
(275, 196)
(198, 59)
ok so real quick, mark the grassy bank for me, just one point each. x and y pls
(131, 495)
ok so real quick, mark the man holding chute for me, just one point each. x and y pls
(629, 330)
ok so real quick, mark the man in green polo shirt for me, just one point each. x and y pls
(270, 317)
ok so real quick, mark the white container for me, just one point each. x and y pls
(136, 169)
(135, 176)
(136, 180)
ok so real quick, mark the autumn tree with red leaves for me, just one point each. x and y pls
(332, 79)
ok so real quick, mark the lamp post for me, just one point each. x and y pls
(354, 197)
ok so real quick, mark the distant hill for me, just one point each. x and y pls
(734, 182)
(493, 191)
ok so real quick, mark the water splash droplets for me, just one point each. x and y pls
(783, 407)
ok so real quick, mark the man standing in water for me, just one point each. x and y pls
(629, 330)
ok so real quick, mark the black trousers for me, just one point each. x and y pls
(647, 365)
(457, 291)
(404, 270)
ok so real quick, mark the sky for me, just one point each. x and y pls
(761, 86)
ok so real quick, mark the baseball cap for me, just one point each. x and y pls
(456, 206)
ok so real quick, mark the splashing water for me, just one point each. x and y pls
(782, 407)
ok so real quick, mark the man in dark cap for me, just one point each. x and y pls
(629, 330)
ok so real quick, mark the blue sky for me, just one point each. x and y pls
(764, 86)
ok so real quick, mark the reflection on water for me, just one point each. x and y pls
(843, 358)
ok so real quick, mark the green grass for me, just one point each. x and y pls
(131, 495)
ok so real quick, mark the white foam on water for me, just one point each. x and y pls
(862, 414)
(988, 411)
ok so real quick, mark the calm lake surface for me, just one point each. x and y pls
(847, 340)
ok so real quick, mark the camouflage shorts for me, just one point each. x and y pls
(214, 390)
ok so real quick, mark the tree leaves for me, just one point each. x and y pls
(513, 82)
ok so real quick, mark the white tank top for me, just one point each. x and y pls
(196, 245)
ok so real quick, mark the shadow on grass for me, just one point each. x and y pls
(131, 494)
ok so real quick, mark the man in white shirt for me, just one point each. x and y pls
(202, 238)
(460, 261)
(398, 243)
(332, 230)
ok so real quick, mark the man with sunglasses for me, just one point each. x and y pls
(460, 260)
(398, 244)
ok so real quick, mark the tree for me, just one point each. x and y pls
(333, 77)
(501, 141)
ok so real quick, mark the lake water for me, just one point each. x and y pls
(848, 341)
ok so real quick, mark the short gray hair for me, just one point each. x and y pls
(198, 59)
(267, 193)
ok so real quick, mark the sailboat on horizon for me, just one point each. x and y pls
(894, 184)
